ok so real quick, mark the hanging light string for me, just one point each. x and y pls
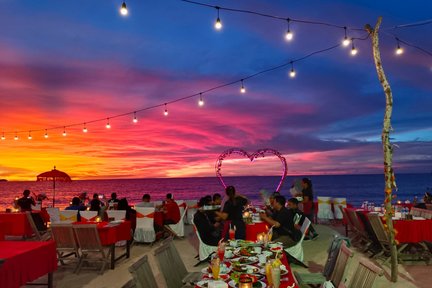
(409, 25)
(399, 40)
(165, 104)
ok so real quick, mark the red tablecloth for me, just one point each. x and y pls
(18, 224)
(26, 261)
(111, 234)
(413, 231)
(4, 226)
(252, 230)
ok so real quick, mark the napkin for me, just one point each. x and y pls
(217, 284)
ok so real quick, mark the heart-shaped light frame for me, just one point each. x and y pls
(258, 153)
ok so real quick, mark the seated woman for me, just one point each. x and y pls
(209, 232)
(283, 223)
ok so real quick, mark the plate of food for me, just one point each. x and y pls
(245, 251)
(224, 269)
(283, 270)
(205, 283)
(245, 260)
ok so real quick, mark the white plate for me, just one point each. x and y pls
(234, 285)
(224, 270)
(251, 260)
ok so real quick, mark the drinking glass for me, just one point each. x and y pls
(275, 275)
(221, 251)
(215, 266)
(268, 271)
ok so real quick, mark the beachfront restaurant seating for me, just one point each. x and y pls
(91, 249)
(66, 245)
(177, 229)
(365, 275)
(296, 251)
(339, 202)
(142, 274)
(362, 238)
(144, 231)
(54, 214)
(116, 214)
(324, 208)
(335, 275)
(68, 216)
(88, 215)
(40, 232)
(204, 250)
(349, 226)
(172, 267)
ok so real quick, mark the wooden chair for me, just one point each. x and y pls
(383, 238)
(365, 275)
(363, 238)
(349, 226)
(130, 284)
(142, 274)
(172, 266)
(336, 275)
(40, 233)
(66, 244)
(90, 244)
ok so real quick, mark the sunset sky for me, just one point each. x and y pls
(74, 62)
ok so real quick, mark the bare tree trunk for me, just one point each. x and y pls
(389, 177)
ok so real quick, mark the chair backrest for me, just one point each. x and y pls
(37, 234)
(173, 269)
(54, 214)
(117, 214)
(378, 228)
(88, 215)
(429, 206)
(145, 217)
(88, 237)
(68, 216)
(324, 208)
(365, 274)
(63, 235)
(358, 226)
(416, 212)
(339, 202)
(341, 263)
(427, 214)
(346, 218)
(142, 274)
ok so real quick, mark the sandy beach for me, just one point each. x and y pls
(414, 274)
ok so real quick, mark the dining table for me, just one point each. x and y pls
(255, 228)
(287, 279)
(413, 231)
(26, 261)
(112, 232)
(16, 224)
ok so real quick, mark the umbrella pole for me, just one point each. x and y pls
(53, 192)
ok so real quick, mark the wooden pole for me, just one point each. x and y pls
(389, 177)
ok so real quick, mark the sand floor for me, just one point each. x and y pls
(315, 257)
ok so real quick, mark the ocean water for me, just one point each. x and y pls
(356, 188)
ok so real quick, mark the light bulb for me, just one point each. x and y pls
(353, 49)
(16, 137)
(30, 137)
(64, 132)
(399, 50)
(135, 119)
(292, 73)
(242, 88)
(218, 24)
(289, 35)
(345, 42)
(108, 125)
(3, 137)
(85, 128)
(46, 134)
(166, 110)
(201, 101)
(123, 9)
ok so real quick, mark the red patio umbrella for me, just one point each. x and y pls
(54, 175)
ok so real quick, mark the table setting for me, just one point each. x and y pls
(248, 264)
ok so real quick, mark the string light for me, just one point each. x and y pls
(289, 35)
(30, 137)
(399, 50)
(292, 73)
(108, 125)
(3, 136)
(123, 9)
(345, 41)
(64, 131)
(166, 110)
(353, 48)
(135, 119)
(242, 89)
(201, 101)
(46, 134)
(85, 128)
(16, 137)
(218, 23)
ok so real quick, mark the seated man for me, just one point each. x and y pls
(282, 221)
(171, 210)
(209, 232)
(298, 215)
(145, 202)
(25, 202)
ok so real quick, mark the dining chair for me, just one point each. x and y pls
(142, 274)
(144, 231)
(334, 272)
(41, 233)
(324, 208)
(88, 215)
(383, 238)
(116, 214)
(172, 267)
(349, 226)
(54, 214)
(130, 284)
(363, 238)
(68, 216)
(177, 230)
(90, 245)
(296, 251)
(204, 251)
(339, 202)
(365, 275)
(66, 245)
